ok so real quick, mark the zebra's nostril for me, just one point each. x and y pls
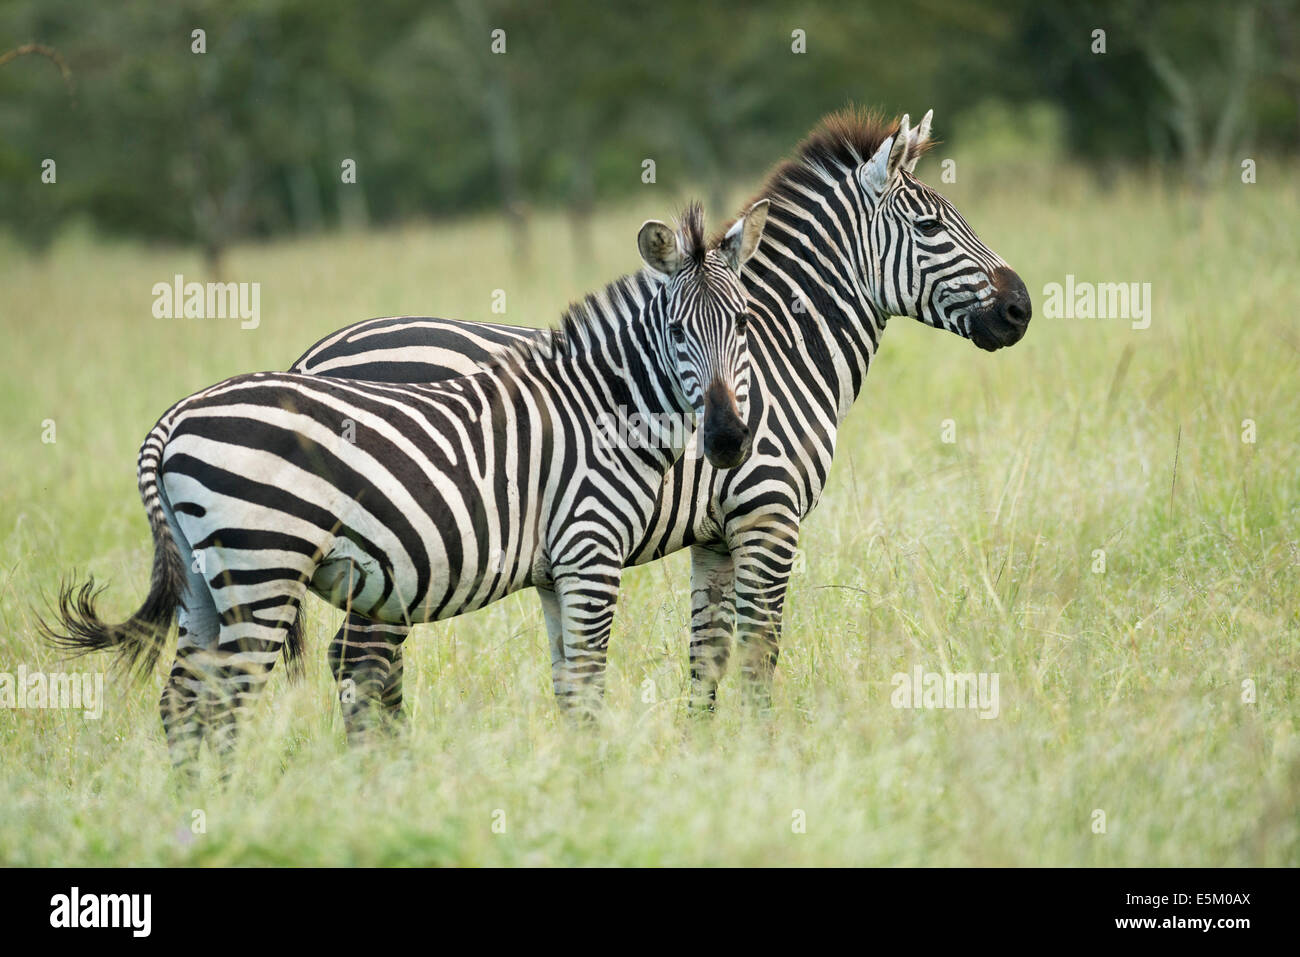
(1015, 306)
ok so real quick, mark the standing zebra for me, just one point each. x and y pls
(410, 503)
(852, 239)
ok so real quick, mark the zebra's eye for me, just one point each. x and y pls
(678, 333)
(929, 227)
(742, 320)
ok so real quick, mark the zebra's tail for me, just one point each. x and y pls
(293, 648)
(138, 640)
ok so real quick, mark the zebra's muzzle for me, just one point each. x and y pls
(725, 436)
(1004, 321)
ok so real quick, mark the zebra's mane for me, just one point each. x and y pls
(584, 319)
(572, 335)
(841, 141)
(690, 227)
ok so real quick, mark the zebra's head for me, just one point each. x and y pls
(926, 262)
(699, 333)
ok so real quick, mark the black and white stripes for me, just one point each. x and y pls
(407, 503)
(852, 238)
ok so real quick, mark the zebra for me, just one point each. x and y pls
(852, 238)
(408, 503)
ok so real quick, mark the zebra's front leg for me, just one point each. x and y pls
(764, 556)
(554, 635)
(584, 607)
(713, 620)
(365, 658)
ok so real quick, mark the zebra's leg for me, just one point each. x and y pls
(554, 634)
(180, 704)
(391, 699)
(586, 613)
(365, 658)
(191, 672)
(254, 623)
(764, 555)
(713, 620)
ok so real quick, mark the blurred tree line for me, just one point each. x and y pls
(441, 115)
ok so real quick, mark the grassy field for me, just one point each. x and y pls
(1121, 691)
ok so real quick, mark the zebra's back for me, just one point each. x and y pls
(433, 349)
(383, 497)
(410, 349)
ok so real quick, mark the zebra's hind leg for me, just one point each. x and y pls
(199, 628)
(713, 620)
(365, 658)
(391, 698)
(207, 687)
(181, 711)
(255, 621)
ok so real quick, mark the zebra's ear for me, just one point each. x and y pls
(881, 169)
(916, 142)
(741, 240)
(659, 247)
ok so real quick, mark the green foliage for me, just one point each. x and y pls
(248, 138)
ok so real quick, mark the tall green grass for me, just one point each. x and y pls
(1120, 692)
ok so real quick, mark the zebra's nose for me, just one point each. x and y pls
(1014, 305)
(726, 437)
(726, 443)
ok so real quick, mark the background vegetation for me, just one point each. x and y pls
(247, 139)
(1121, 691)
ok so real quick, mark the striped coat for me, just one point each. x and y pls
(852, 239)
(408, 503)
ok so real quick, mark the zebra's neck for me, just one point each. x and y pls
(807, 276)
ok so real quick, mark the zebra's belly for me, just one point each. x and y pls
(357, 582)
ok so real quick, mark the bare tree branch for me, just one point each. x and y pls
(50, 54)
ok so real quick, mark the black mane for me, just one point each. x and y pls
(570, 335)
(842, 140)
